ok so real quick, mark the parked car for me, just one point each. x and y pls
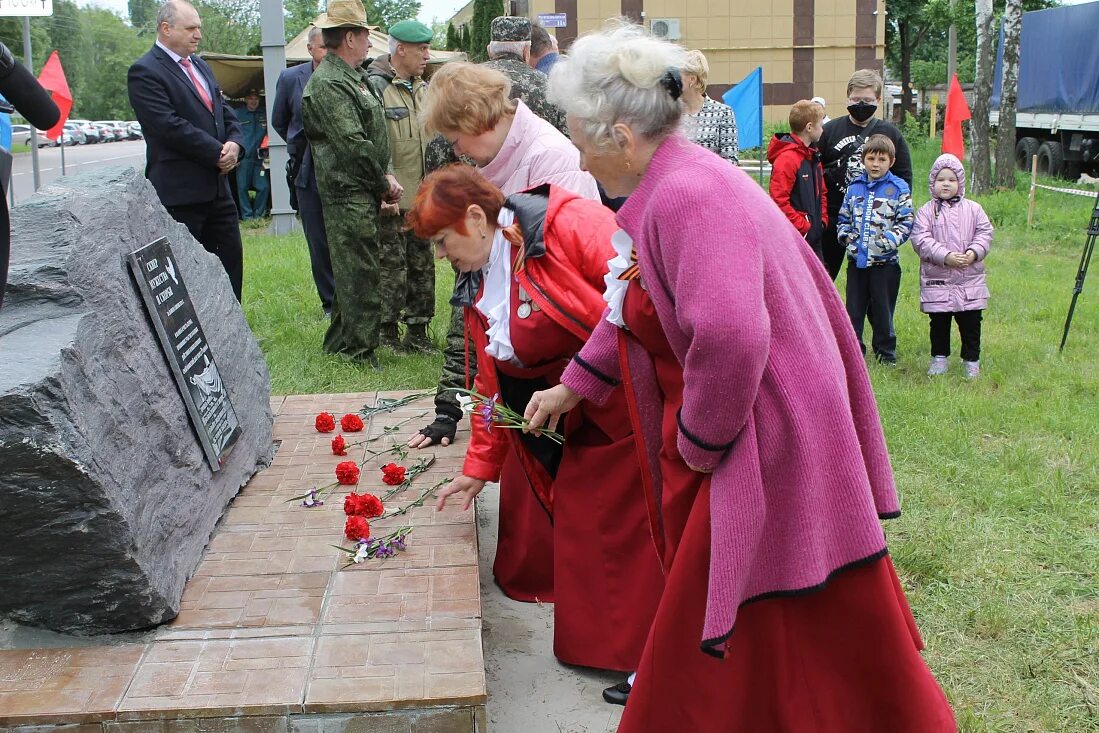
(106, 132)
(40, 137)
(76, 133)
(133, 131)
(91, 132)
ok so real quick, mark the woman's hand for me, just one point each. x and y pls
(464, 485)
(546, 406)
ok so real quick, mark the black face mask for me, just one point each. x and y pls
(862, 111)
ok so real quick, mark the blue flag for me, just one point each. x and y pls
(746, 99)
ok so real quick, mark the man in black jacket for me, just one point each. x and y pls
(28, 97)
(192, 137)
(841, 153)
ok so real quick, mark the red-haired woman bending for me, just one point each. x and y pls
(531, 271)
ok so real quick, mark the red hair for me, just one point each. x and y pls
(445, 195)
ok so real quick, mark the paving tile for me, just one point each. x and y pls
(249, 724)
(388, 671)
(220, 677)
(253, 600)
(43, 686)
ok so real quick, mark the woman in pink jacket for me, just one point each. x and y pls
(763, 458)
(952, 235)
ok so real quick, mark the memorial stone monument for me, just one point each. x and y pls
(107, 499)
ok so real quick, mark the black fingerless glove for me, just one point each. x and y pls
(444, 427)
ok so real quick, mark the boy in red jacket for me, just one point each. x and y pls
(797, 179)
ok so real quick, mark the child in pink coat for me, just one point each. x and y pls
(952, 236)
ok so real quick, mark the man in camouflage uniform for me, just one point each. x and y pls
(345, 126)
(508, 53)
(408, 263)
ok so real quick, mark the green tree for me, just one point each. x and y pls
(453, 42)
(113, 47)
(385, 13)
(143, 16)
(67, 35)
(298, 15)
(230, 26)
(11, 33)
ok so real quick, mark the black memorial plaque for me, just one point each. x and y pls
(185, 346)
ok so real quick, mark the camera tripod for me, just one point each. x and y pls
(1082, 271)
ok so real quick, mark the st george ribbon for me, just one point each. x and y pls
(186, 349)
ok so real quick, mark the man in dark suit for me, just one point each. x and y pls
(193, 140)
(286, 119)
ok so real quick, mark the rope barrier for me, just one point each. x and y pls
(1074, 191)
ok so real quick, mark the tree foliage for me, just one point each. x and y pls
(453, 42)
(385, 13)
(298, 14)
(230, 26)
(143, 16)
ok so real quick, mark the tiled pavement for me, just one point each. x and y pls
(273, 635)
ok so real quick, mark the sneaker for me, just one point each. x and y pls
(938, 366)
(972, 369)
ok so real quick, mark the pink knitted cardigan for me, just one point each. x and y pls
(776, 399)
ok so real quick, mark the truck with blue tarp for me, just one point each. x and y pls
(1057, 115)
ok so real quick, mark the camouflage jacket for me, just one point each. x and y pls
(345, 125)
(530, 86)
(401, 101)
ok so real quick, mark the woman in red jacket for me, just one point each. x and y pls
(531, 271)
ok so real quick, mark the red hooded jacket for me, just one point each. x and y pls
(561, 264)
(797, 186)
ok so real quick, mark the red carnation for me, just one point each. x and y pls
(351, 422)
(362, 505)
(393, 474)
(339, 446)
(325, 423)
(347, 472)
(356, 529)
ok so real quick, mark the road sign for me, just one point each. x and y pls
(25, 8)
(546, 20)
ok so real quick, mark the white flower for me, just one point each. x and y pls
(467, 403)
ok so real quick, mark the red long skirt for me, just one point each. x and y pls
(596, 562)
(842, 659)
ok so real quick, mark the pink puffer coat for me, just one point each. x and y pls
(943, 227)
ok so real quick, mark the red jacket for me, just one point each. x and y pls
(562, 266)
(797, 186)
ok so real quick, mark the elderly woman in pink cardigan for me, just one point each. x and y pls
(767, 473)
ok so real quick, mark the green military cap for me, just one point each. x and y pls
(510, 28)
(410, 31)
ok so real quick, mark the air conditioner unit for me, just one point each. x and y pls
(666, 28)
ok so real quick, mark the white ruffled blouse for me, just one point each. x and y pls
(615, 293)
(495, 302)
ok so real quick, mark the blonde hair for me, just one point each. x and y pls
(466, 98)
(865, 79)
(697, 64)
(803, 112)
(614, 75)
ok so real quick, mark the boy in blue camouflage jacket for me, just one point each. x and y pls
(875, 220)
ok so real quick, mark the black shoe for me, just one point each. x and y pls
(617, 694)
(387, 336)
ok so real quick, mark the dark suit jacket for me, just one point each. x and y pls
(183, 140)
(287, 120)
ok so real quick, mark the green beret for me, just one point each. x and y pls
(510, 28)
(410, 31)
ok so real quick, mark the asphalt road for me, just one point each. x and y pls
(78, 159)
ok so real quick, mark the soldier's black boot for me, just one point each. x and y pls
(388, 337)
(417, 340)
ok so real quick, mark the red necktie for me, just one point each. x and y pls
(186, 64)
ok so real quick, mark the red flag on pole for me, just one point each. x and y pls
(53, 80)
(956, 110)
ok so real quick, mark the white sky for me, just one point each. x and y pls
(429, 9)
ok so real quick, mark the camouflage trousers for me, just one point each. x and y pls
(352, 229)
(407, 274)
(454, 365)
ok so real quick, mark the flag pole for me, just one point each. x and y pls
(762, 149)
(34, 133)
(62, 141)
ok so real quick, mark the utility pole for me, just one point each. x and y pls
(29, 62)
(952, 47)
(273, 35)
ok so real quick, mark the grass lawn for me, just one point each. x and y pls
(999, 478)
